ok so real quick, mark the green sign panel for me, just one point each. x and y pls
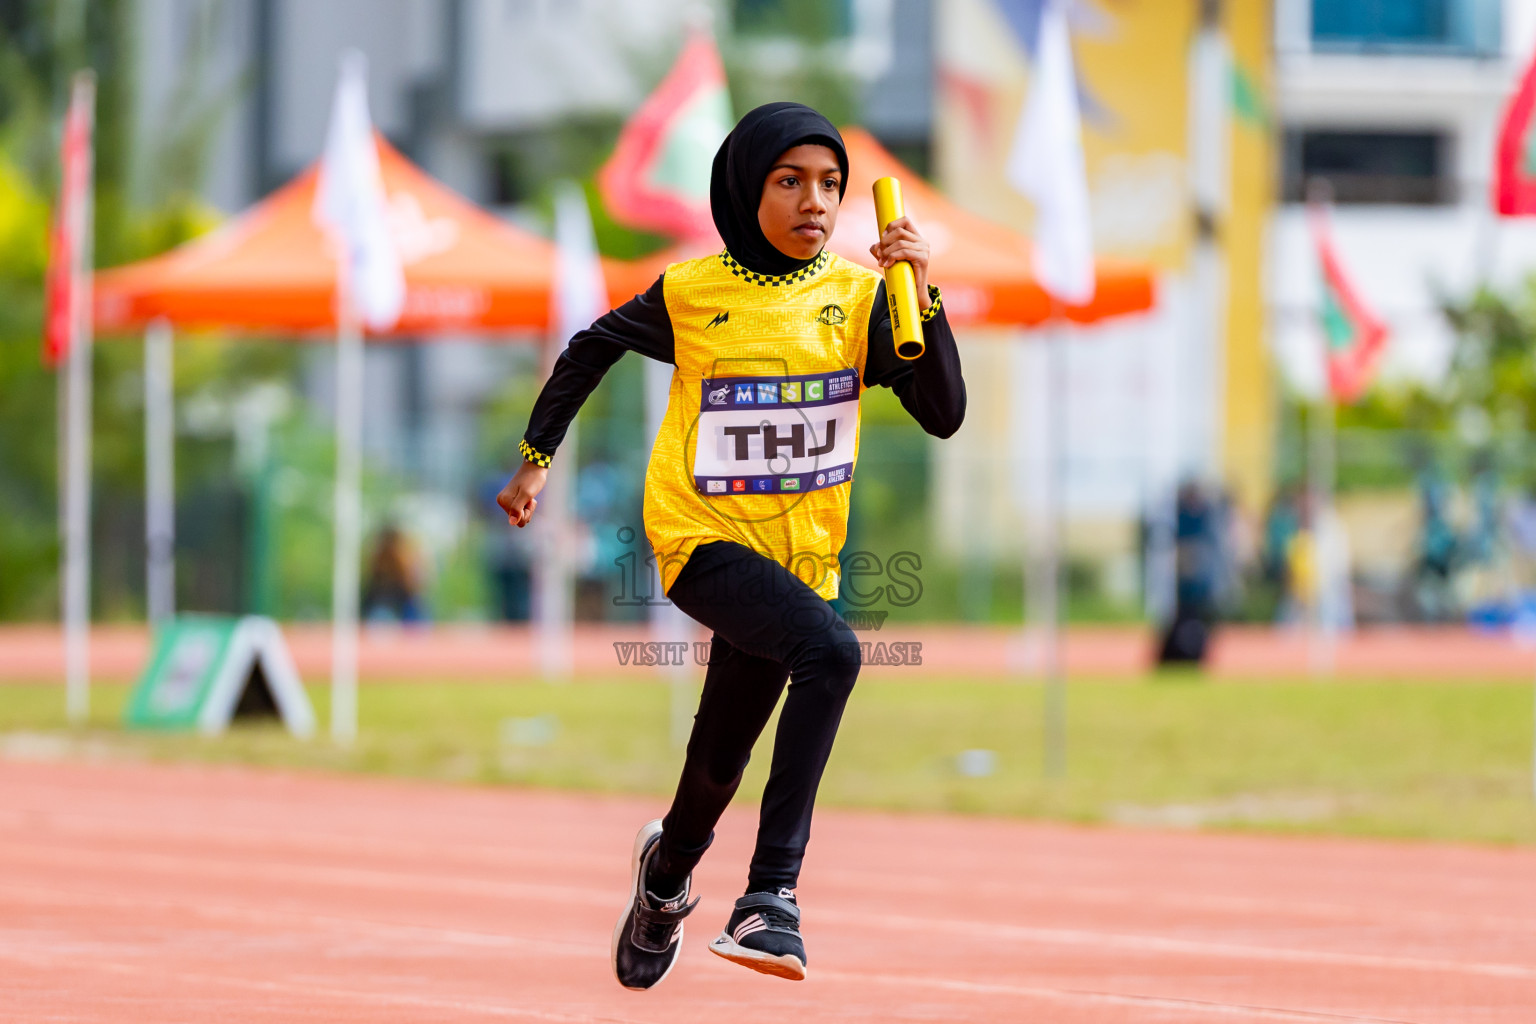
(207, 669)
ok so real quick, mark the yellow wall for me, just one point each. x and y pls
(1136, 65)
(1248, 451)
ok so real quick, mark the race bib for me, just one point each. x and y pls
(776, 435)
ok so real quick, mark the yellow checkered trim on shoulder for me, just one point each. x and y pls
(805, 273)
(533, 455)
(933, 310)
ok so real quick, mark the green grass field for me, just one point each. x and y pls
(1398, 759)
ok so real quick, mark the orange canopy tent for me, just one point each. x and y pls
(984, 268)
(272, 268)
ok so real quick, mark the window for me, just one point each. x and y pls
(1369, 166)
(1383, 21)
(1462, 27)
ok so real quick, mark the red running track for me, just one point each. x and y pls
(35, 653)
(179, 894)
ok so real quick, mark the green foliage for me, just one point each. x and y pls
(1485, 407)
(810, 20)
(42, 42)
(1494, 367)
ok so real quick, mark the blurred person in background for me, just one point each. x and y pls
(1281, 524)
(1201, 575)
(1483, 541)
(508, 561)
(1520, 529)
(1489, 573)
(1237, 548)
(773, 340)
(1439, 548)
(393, 588)
(1319, 567)
(604, 495)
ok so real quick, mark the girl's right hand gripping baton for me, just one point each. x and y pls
(900, 281)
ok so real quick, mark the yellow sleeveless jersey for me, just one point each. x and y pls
(761, 432)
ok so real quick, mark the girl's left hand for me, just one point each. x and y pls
(902, 242)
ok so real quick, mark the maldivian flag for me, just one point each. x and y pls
(1514, 170)
(1353, 336)
(658, 176)
(66, 243)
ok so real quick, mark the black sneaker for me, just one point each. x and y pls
(763, 933)
(647, 938)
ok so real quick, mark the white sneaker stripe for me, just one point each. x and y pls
(747, 927)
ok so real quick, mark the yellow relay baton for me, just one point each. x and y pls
(900, 281)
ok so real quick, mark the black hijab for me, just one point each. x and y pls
(741, 167)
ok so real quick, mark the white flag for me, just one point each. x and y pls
(1046, 165)
(581, 296)
(350, 204)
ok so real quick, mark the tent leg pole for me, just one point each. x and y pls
(348, 530)
(1051, 589)
(159, 475)
(669, 623)
(1321, 447)
(77, 529)
(554, 560)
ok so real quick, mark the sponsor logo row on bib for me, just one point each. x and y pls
(776, 484)
(775, 392)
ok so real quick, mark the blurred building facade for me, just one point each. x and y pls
(496, 98)
(481, 94)
(1178, 142)
(1396, 107)
(1204, 122)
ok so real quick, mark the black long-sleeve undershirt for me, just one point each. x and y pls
(639, 325)
(930, 387)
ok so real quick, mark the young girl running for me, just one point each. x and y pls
(746, 503)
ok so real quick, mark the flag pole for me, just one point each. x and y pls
(159, 474)
(370, 287)
(580, 298)
(1322, 450)
(554, 576)
(1322, 456)
(1045, 163)
(1054, 507)
(77, 458)
(348, 526)
(669, 623)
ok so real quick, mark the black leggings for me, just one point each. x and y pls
(769, 627)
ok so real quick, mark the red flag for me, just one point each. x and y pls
(1354, 337)
(658, 175)
(66, 240)
(1514, 169)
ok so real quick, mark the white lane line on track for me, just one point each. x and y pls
(273, 791)
(461, 937)
(160, 975)
(1081, 996)
(361, 878)
(511, 856)
(875, 885)
(288, 916)
(292, 840)
(504, 855)
(862, 920)
(1161, 944)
